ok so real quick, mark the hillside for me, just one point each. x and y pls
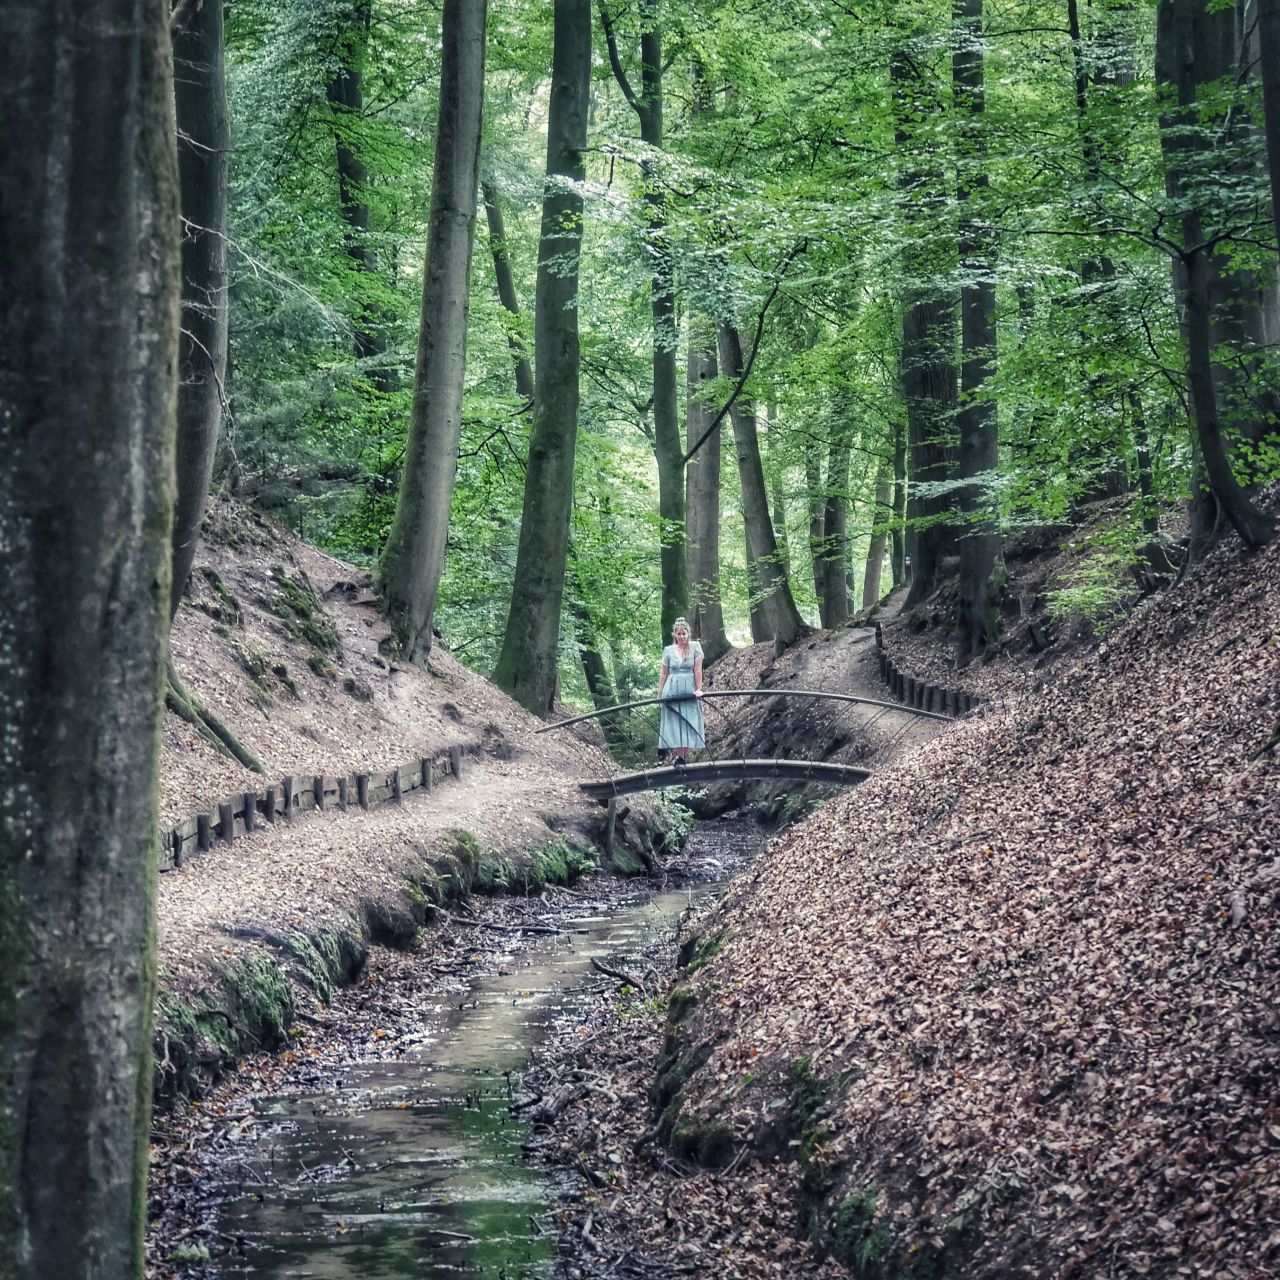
(281, 641)
(1009, 1008)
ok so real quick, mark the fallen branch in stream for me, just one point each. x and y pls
(620, 975)
(498, 928)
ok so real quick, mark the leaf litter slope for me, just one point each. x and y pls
(1041, 952)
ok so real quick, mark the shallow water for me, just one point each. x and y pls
(413, 1168)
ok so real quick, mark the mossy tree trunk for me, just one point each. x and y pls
(88, 380)
(505, 283)
(879, 538)
(412, 561)
(526, 666)
(345, 94)
(928, 328)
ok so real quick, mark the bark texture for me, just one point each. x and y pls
(702, 507)
(88, 380)
(526, 666)
(412, 562)
(345, 93)
(204, 142)
(829, 566)
(1269, 62)
(883, 518)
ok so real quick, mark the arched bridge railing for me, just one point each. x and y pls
(631, 732)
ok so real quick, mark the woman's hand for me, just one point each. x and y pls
(697, 693)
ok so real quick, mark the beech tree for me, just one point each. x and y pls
(770, 589)
(413, 560)
(88, 380)
(526, 666)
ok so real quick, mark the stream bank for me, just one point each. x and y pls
(381, 1141)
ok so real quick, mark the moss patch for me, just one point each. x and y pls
(294, 601)
(860, 1236)
(223, 608)
(700, 950)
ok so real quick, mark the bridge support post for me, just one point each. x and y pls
(610, 825)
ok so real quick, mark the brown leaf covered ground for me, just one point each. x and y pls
(1035, 964)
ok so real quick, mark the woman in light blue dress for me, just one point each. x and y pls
(681, 692)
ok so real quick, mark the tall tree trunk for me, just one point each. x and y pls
(778, 610)
(817, 499)
(833, 595)
(928, 369)
(702, 509)
(345, 93)
(777, 489)
(89, 218)
(978, 451)
(526, 666)
(506, 286)
(1269, 66)
(412, 562)
(879, 539)
(667, 447)
(1188, 38)
(203, 145)
(898, 546)
(1102, 459)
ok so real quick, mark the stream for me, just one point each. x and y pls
(414, 1167)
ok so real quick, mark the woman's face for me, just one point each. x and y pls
(681, 636)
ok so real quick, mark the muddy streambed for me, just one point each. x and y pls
(412, 1166)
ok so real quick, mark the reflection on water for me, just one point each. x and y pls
(413, 1168)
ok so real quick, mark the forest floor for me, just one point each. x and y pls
(1007, 1009)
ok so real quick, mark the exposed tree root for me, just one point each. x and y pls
(205, 723)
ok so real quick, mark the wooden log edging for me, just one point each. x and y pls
(920, 694)
(239, 815)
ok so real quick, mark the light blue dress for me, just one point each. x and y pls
(682, 724)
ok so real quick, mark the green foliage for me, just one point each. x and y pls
(804, 148)
(1100, 588)
(860, 1236)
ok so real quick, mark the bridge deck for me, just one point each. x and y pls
(841, 775)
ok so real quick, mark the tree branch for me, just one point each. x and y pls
(755, 347)
(619, 74)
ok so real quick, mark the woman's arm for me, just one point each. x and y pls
(697, 676)
(663, 679)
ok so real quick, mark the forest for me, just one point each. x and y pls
(556, 323)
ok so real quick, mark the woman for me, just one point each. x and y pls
(680, 690)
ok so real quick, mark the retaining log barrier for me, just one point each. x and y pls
(917, 693)
(234, 817)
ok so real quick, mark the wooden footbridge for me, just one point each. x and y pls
(630, 729)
